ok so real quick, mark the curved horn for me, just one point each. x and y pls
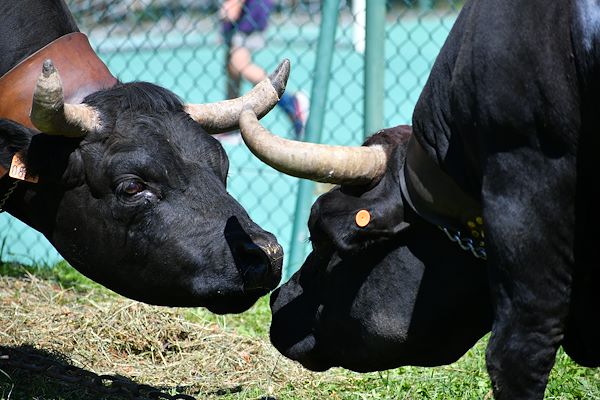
(224, 116)
(51, 115)
(318, 162)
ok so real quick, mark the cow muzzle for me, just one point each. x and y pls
(293, 330)
(258, 258)
(260, 265)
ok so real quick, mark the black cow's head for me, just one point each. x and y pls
(393, 292)
(139, 202)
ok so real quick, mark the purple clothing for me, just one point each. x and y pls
(254, 17)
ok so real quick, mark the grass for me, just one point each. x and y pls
(62, 274)
(61, 317)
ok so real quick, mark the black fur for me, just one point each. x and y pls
(139, 205)
(510, 112)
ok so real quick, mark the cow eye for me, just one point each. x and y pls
(131, 187)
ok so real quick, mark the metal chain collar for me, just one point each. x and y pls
(477, 248)
(104, 384)
(7, 194)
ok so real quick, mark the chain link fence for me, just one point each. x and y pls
(177, 44)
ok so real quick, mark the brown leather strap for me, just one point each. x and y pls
(80, 69)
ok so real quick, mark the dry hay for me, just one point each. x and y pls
(158, 346)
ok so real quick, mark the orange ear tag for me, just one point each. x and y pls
(362, 218)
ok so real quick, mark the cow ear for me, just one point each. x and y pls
(13, 138)
(354, 226)
(354, 218)
(56, 158)
(46, 156)
(353, 221)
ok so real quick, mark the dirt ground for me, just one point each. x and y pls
(94, 338)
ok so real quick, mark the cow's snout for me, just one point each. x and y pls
(259, 263)
(257, 256)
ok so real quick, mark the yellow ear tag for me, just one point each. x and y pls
(18, 170)
(362, 218)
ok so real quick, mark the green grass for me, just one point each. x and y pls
(254, 322)
(61, 273)
(465, 379)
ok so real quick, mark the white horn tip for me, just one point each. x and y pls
(280, 76)
(48, 68)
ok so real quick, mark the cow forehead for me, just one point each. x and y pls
(153, 132)
(154, 148)
(146, 118)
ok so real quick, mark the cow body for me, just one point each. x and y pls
(509, 113)
(139, 204)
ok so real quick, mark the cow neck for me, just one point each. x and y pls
(436, 197)
(81, 71)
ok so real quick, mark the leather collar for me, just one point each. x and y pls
(81, 70)
(434, 195)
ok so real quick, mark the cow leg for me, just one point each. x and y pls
(529, 225)
(582, 334)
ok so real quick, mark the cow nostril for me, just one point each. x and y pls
(255, 266)
(250, 254)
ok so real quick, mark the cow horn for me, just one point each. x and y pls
(224, 116)
(318, 162)
(51, 115)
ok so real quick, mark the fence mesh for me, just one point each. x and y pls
(178, 44)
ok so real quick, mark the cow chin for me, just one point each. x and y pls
(230, 300)
(234, 305)
(294, 316)
(311, 315)
(305, 352)
(298, 331)
(294, 341)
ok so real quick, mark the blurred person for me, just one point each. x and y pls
(243, 26)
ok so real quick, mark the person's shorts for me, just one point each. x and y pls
(253, 41)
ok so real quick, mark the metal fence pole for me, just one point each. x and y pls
(374, 66)
(314, 125)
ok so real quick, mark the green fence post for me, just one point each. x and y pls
(314, 126)
(374, 66)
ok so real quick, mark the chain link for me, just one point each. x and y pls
(103, 384)
(7, 194)
(466, 243)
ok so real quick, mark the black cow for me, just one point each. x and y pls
(502, 160)
(375, 297)
(130, 188)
